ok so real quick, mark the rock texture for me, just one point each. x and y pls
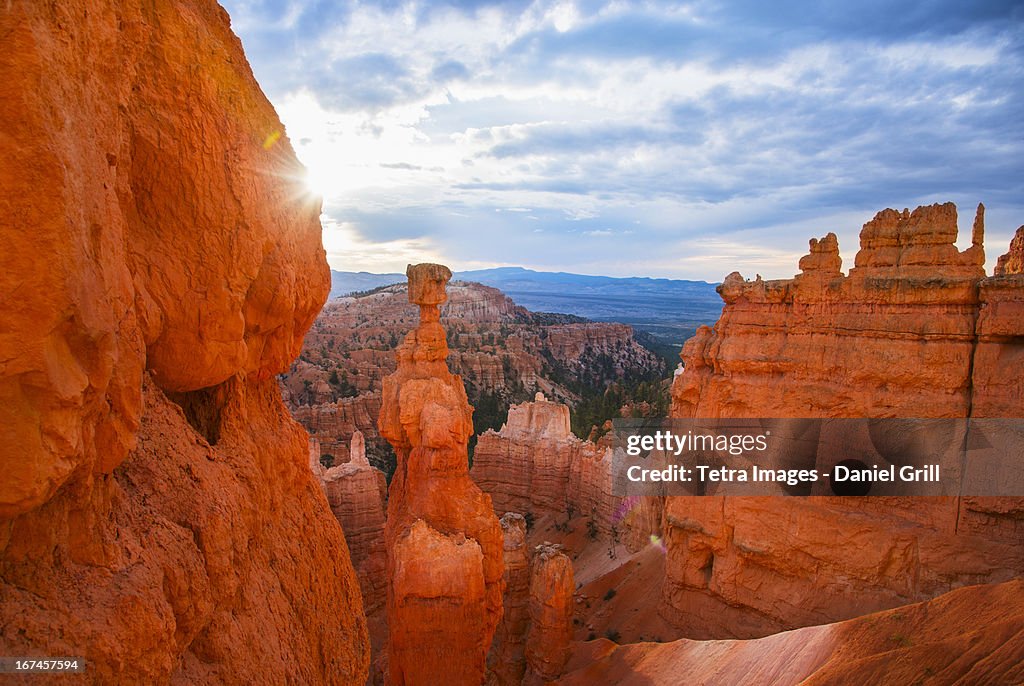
(160, 266)
(1013, 261)
(444, 543)
(503, 353)
(334, 423)
(916, 330)
(996, 391)
(928, 642)
(535, 464)
(551, 610)
(356, 493)
(506, 662)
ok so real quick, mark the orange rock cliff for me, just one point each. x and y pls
(536, 465)
(915, 330)
(157, 514)
(444, 544)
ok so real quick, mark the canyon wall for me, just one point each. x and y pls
(535, 464)
(161, 265)
(444, 544)
(915, 330)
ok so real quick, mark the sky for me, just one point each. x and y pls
(681, 140)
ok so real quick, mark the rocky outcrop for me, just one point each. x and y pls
(160, 268)
(929, 642)
(551, 610)
(535, 464)
(335, 423)
(444, 543)
(996, 391)
(356, 493)
(1013, 261)
(914, 330)
(506, 662)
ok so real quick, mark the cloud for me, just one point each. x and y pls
(742, 126)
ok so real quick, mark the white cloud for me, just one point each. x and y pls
(723, 148)
(348, 250)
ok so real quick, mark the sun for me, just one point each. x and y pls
(318, 180)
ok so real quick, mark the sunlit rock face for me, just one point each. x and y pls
(915, 329)
(444, 543)
(967, 636)
(160, 267)
(1013, 261)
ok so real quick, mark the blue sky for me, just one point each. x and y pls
(640, 138)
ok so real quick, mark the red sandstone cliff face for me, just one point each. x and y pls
(1013, 261)
(996, 391)
(535, 464)
(160, 268)
(444, 544)
(915, 329)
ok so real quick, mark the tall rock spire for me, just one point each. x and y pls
(443, 541)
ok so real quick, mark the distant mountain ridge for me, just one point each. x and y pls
(668, 309)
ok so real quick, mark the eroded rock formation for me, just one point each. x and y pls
(356, 493)
(551, 610)
(1013, 261)
(506, 662)
(928, 642)
(914, 330)
(535, 464)
(444, 543)
(160, 266)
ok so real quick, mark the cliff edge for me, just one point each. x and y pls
(161, 264)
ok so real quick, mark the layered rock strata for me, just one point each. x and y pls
(160, 266)
(535, 464)
(356, 493)
(444, 543)
(914, 330)
(506, 662)
(551, 610)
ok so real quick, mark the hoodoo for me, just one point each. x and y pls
(444, 543)
(551, 609)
